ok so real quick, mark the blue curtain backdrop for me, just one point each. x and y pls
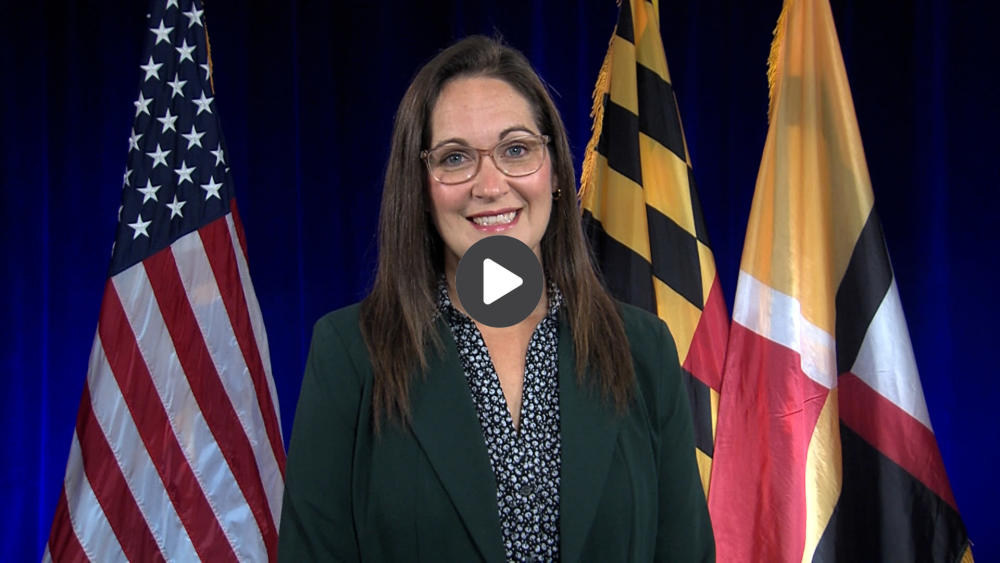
(307, 92)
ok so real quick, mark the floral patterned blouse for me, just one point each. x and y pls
(526, 461)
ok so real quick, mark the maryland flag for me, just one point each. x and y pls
(642, 215)
(824, 450)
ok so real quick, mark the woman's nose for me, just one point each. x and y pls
(490, 182)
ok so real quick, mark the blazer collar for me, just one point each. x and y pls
(589, 431)
(445, 424)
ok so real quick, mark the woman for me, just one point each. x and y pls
(421, 434)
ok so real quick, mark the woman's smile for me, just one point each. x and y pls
(495, 221)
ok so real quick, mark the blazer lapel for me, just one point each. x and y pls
(447, 427)
(589, 431)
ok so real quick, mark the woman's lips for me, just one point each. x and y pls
(495, 223)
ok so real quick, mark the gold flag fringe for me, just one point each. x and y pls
(602, 87)
(208, 55)
(967, 555)
(773, 71)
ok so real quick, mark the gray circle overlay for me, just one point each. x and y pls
(513, 255)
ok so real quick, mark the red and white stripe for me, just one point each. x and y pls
(177, 453)
(883, 400)
(780, 373)
(787, 366)
(886, 363)
(778, 317)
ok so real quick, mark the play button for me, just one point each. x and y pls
(499, 281)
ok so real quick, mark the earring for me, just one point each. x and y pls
(557, 194)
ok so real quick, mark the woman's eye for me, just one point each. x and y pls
(519, 150)
(453, 159)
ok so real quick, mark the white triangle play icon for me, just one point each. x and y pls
(498, 281)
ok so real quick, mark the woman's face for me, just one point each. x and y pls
(479, 112)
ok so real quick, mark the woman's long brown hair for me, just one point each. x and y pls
(397, 317)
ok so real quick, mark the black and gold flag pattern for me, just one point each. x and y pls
(642, 215)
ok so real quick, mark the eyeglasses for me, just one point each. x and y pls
(454, 163)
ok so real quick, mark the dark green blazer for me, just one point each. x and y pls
(629, 488)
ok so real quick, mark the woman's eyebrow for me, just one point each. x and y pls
(504, 133)
(510, 130)
(453, 140)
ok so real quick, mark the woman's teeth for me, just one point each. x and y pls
(487, 220)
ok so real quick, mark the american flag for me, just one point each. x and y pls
(177, 453)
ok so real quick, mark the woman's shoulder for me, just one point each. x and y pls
(654, 354)
(343, 319)
(340, 331)
(643, 329)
